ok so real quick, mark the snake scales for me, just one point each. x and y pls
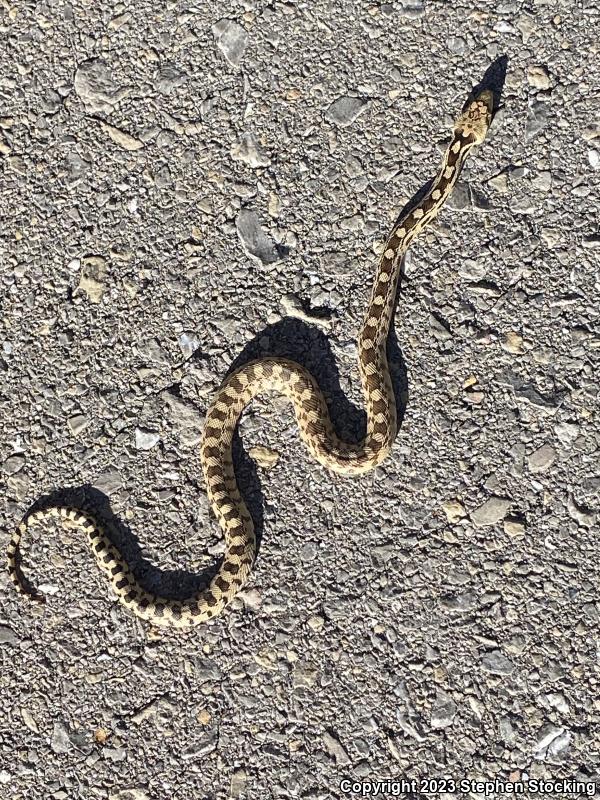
(298, 385)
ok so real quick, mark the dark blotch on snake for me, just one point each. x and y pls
(452, 159)
(221, 583)
(428, 205)
(235, 383)
(212, 452)
(380, 406)
(380, 427)
(369, 332)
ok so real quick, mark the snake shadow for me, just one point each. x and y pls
(289, 338)
(494, 79)
(177, 584)
(295, 339)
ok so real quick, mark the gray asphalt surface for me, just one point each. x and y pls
(176, 180)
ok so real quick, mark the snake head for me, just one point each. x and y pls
(475, 120)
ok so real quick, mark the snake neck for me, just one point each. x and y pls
(413, 220)
(418, 217)
(374, 366)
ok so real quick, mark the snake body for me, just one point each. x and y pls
(316, 430)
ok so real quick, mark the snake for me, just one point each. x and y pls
(297, 384)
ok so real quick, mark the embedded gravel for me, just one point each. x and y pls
(186, 186)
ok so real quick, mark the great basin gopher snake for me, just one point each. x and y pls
(301, 389)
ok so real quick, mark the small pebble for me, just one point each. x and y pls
(551, 742)
(411, 8)
(13, 464)
(8, 636)
(109, 482)
(249, 151)
(454, 510)
(204, 717)
(443, 711)
(77, 423)
(497, 663)
(257, 245)
(456, 44)
(584, 516)
(101, 735)
(471, 270)
(95, 85)
(231, 40)
(146, 440)
(499, 182)
(315, 623)
(512, 342)
(264, 456)
(566, 433)
(122, 138)
(538, 77)
(237, 786)
(251, 598)
(60, 742)
(188, 344)
(492, 511)
(514, 528)
(335, 749)
(292, 307)
(345, 110)
(92, 278)
(542, 458)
